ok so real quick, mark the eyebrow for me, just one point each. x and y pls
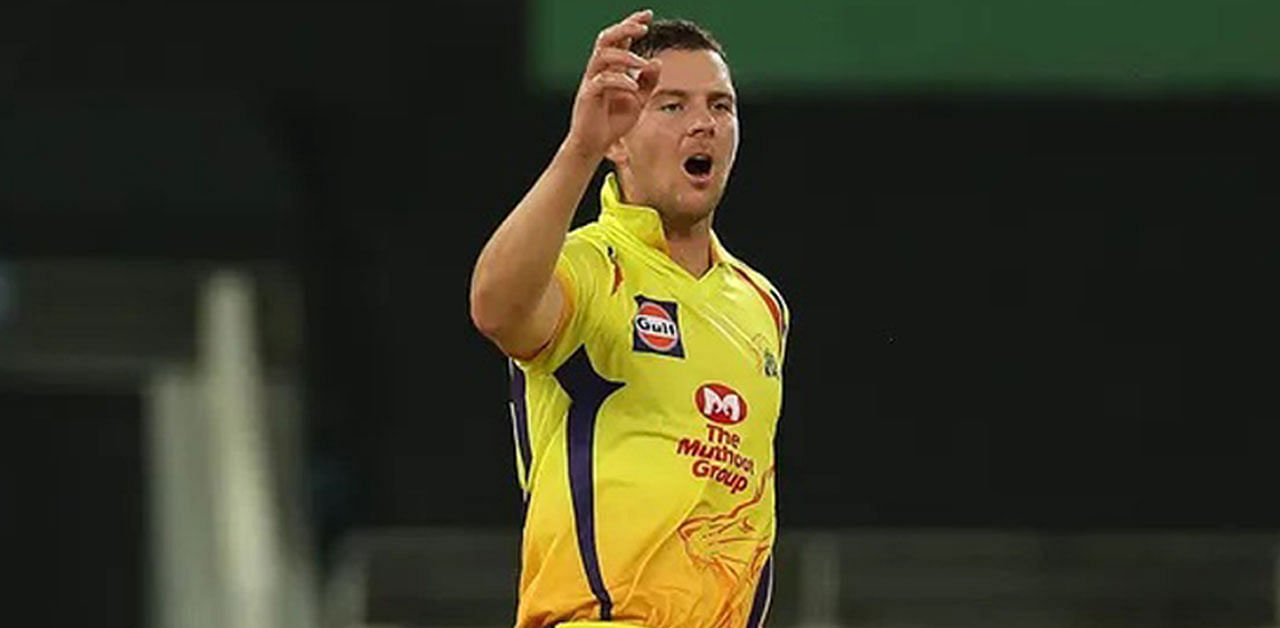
(680, 93)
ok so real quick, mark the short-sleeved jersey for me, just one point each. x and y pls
(645, 434)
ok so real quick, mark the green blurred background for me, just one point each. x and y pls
(823, 46)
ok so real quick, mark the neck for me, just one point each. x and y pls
(690, 246)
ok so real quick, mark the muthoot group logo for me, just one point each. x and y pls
(720, 404)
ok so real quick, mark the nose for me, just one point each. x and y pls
(703, 123)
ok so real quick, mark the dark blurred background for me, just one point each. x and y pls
(1027, 246)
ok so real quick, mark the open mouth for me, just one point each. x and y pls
(699, 166)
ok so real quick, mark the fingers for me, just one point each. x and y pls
(643, 15)
(647, 78)
(613, 67)
(620, 34)
(614, 58)
(608, 80)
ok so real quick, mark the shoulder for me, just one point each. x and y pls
(586, 261)
(754, 276)
(588, 242)
(768, 291)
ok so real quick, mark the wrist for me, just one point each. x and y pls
(575, 149)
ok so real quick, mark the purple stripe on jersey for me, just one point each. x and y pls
(520, 415)
(587, 391)
(764, 588)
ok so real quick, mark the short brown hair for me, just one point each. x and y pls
(675, 35)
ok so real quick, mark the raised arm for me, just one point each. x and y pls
(514, 301)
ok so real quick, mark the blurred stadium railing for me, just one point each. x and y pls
(875, 578)
(212, 353)
(230, 544)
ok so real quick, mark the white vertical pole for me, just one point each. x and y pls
(226, 551)
(245, 507)
(186, 587)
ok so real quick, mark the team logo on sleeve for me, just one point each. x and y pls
(767, 360)
(720, 404)
(657, 327)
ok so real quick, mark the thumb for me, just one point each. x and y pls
(648, 78)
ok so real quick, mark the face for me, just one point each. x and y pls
(678, 156)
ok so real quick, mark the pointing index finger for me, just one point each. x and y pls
(643, 15)
(620, 35)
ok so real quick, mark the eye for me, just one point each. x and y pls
(724, 106)
(670, 107)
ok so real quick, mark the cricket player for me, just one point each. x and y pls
(646, 359)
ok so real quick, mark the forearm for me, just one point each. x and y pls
(516, 265)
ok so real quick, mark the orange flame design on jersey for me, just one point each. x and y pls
(715, 544)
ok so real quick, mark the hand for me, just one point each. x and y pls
(614, 87)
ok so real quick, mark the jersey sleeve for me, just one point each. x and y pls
(583, 271)
(784, 315)
(785, 311)
(772, 298)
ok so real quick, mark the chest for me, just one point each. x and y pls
(684, 346)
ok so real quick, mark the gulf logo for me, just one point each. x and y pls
(720, 404)
(655, 327)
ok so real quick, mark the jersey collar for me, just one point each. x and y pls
(644, 223)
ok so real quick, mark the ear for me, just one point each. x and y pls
(617, 152)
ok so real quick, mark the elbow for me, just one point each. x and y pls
(482, 316)
(486, 315)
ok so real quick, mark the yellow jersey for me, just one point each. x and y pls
(644, 434)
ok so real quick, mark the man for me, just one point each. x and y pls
(649, 359)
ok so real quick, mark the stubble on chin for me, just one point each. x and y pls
(682, 214)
